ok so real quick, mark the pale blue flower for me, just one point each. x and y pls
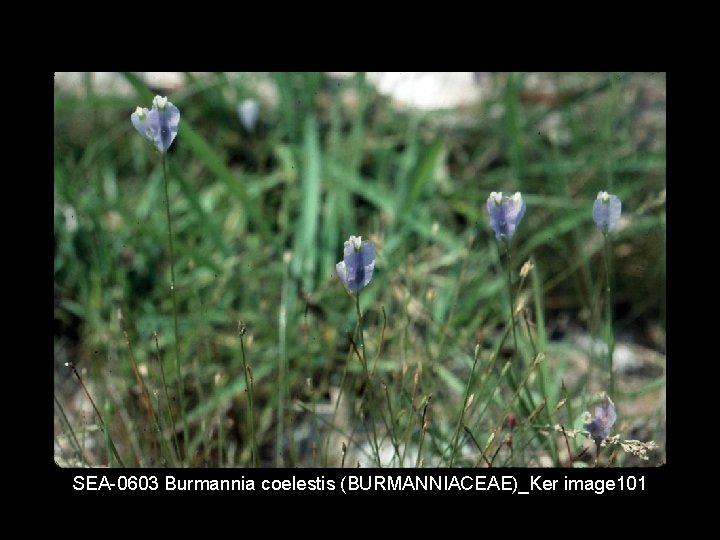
(248, 112)
(505, 213)
(158, 125)
(356, 269)
(605, 416)
(606, 211)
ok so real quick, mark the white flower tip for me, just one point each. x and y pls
(140, 113)
(356, 242)
(249, 104)
(517, 197)
(603, 196)
(160, 102)
(496, 196)
(248, 111)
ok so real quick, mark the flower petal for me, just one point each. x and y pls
(367, 256)
(356, 270)
(615, 211)
(350, 258)
(248, 113)
(357, 267)
(514, 210)
(496, 216)
(164, 125)
(606, 212)
(342, 272)
(604, 419)
(505, 216)
(141, 124)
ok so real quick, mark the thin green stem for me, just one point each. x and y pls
(477, 445)
(411, 402)
(249, 388)
(181, 397)
(167, 400)
(464, 406)
(609, 315)
(315, 427)
(529, 332)
(423, 432)
(335, 408)
(511, 372)
(391, 426)
(512, 295)
(367, 374)
(282, 367)
(360, 329)
(597, 452)
(220, 437)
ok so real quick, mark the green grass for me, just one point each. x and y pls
(259, 221)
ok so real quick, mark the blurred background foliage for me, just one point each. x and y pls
(260, 216)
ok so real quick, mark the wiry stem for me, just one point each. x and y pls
(180, 390)
(464, 406)
(423, 432)
(598, 441)
(512, 295)
(609, 315)
(527, 406)
(249, 388)
(167, 398)
(367, 374)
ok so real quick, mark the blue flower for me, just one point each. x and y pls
(158, 125)
(505, 213)
(606, 211)
(605, 416)
(248, 113)
(356, 269)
